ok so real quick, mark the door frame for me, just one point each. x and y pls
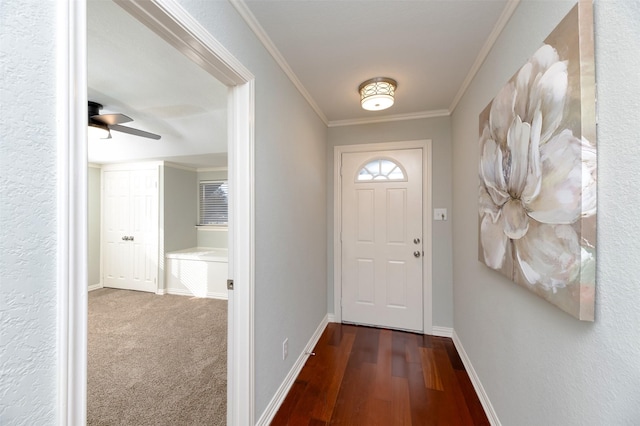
(168, 19)
(425, 145)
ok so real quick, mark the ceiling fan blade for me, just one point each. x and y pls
(135, 132)
(111, 119)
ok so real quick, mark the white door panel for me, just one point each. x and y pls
(131, 212)
(381, 277)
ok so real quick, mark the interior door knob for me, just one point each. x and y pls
(416, 253)
(416, 241)
(125, 238)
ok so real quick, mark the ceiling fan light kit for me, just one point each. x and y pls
(102, 124)
(377, 93)
(98, 131)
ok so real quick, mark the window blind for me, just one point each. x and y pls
(214, 203)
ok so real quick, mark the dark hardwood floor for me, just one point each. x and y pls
(370, 376)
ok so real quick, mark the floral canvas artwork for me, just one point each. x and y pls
(537, 170)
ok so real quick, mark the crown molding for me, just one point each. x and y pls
(486, 48)
(242, 8)
(388, 118)
(213, 169)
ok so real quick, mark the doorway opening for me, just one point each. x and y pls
(173, 24)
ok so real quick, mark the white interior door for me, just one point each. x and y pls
(382, 238)
(130, 223)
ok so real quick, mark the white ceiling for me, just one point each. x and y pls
(328, 46)
(427, 46)
(133, 71)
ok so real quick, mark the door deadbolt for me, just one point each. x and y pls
(416, 241)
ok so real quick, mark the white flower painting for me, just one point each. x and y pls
(537, 172)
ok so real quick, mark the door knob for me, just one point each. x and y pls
(130, 238)
(125, 238)
(416, 253)
(416, 241)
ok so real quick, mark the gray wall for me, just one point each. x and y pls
(94, 211)
(180, 209)
(290, 203)
(538, 365)
(178, 200)
(28, 292)
(438, 130)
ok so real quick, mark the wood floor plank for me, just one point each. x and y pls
(453, 403)
(430, 370)
(401, 401)
(471, 398)
(454, 358)
(289, 404)
(324, 409)
(399, 366)
(382, 387)
(368, 376)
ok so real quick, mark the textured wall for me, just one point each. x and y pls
(438, 130)
(538, 365)
(27, 213)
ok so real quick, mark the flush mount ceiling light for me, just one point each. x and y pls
(377, 93)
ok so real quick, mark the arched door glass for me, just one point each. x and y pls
(381, 169)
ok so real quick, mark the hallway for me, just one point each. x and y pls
(370, 376)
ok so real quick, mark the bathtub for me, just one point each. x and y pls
(197, 271)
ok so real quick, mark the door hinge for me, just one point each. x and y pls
(229, 284)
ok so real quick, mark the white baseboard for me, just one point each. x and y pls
(283, 390)
(331, 318)
(475, 380)
(442, 331)
(94, 287)
(161, 291)
(181, 292)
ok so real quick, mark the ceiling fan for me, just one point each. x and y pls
(108, 122)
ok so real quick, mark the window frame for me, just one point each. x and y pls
(212, 225)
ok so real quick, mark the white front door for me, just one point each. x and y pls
(382, 238)
(130, 223)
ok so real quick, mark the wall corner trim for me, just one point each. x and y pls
(475, 380)
(280, 395)
(442, 331)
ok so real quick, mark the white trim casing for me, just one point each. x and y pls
(425, 145)
(72, 219)
(283, 390)
(174, 24)
(475, 380)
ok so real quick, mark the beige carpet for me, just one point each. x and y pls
(156, 360)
